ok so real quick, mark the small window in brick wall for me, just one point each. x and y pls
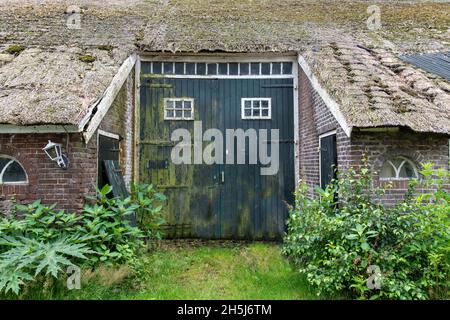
(11, 171)
(398, 168)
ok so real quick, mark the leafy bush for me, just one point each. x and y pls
(107, 223)
(36, 239)
(344, 239)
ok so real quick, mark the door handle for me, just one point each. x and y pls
(222, 176)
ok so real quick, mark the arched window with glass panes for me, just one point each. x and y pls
(398, 168)
(11, 171)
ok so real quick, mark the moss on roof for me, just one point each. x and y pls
(374, 88)
(229, 25)
(15, 49)
(112, 30)
(53, 85)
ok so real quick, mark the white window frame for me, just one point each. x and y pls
(12, 160)
(252, 117)
(226, 58)
(183, 118)
(259, 74)
(397, 170)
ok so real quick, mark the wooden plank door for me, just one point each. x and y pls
(193, 190)
(254, 205)
(221, 201)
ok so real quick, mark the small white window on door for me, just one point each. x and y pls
(256, 108)
(178, 109)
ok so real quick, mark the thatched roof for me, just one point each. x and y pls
(43, 86)
(48, 83)
(374, 88)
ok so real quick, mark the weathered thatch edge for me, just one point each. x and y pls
(366, 89)
(107, 98)
(94, 115)
(18, 129)
(327, 99)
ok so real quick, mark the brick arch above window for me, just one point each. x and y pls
(27, 162)
(12, 171)
(398, 168)
(415, 157)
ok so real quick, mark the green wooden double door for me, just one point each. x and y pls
(220, 200)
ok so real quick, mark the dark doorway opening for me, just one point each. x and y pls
(328, 159)
(108, 149)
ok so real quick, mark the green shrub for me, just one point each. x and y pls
(36, 239)
(356, 245)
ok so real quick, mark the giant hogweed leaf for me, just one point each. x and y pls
(38, 256)
(54, 255)
(52, 263)
(6, 240)
(12, 279)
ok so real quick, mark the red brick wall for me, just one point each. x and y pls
(315, 119)
(46, 181)
(379, 147)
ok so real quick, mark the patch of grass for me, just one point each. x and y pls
(102, 283)
(237, 271)
(255, 271)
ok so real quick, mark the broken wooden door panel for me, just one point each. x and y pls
(108, 149)
(115, 178)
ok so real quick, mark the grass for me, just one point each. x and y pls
(232, 271)
(255, 271)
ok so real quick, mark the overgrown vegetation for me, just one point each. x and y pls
(37, 241)
(344, 240)
(189, 270)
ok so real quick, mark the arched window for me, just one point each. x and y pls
(11, 171)
(398, 168)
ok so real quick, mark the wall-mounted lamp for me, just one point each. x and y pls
(53, 151)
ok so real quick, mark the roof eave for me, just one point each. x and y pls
(41, 128)
(331, 104)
